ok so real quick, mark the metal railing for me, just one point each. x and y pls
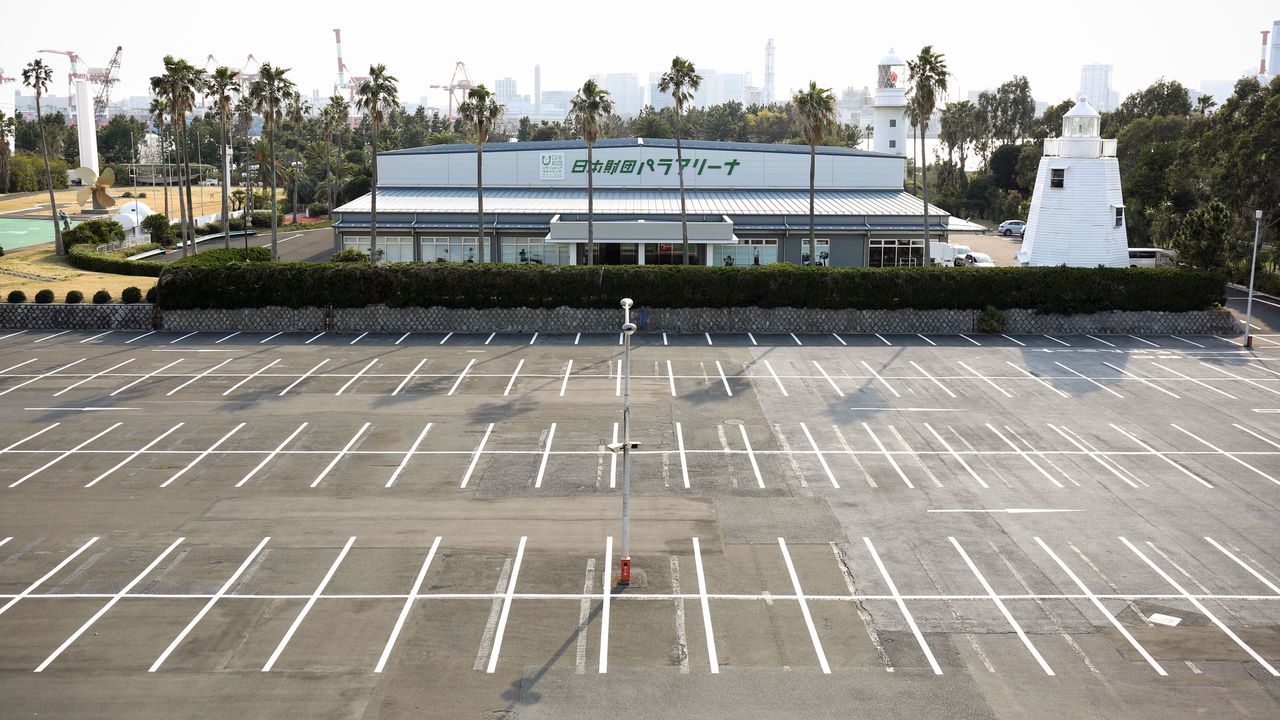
(1079, 147)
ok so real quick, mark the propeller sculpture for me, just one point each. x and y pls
(95, 187)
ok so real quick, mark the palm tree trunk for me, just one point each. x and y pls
(813, 170)
(165, 165)
(226, 182)
(248, 186)
(924, 199)
(480, 202)
(178, 144)
(48, 179)
(591, 211)
(191, 208)
(373, 199)
(275, 206)
(684, 220)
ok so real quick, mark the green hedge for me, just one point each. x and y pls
(1055, 290)
(222, 256)
(85, 258)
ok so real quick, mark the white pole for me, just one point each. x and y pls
(628, 328)
(1248, 311)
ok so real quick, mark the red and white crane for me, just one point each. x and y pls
(460, 83)
(349, 84)
(72, 76)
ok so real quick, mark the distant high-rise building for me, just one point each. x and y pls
(626, 92)
(718, 88)
(504, 90)
(537, 91)
(657, 98)
(768, 72)
(1095, 86)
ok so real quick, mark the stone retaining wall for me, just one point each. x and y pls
(378, 318)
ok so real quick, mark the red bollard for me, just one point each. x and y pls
(624, 574)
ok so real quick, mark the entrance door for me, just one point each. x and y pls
(611, 254)
(670, 254)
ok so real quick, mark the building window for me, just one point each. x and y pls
(893, 143)
(1057, 177)
(893, 122)
(533, 251)
(748, 251)
(390, 248)
(448, 249)
(824, 251)
(1119, 216)
(894, 252)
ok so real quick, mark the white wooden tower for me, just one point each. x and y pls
(890, 135)
(1077, 208)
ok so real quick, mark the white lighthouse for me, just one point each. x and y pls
(890, 134)
(1077, 209)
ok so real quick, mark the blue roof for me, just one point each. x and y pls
(635, 142)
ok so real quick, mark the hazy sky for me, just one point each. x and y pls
(836, 44)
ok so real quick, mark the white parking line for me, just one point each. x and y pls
(197, 377)
(15, 367)
(462, 375)
(1161, 455)
(1270, 585)
(886, 342)
(1035, 377)
(358, 338)
(92, 377)
(56, 569)
(1254, 383)
(175, 342)
(271, 455)
(255, 374)
(139, 337)
(446, 338)
(902, 607)
(922, 337)
(110, 604)
(475, 457)
(1264, 439)
(724, 380)
(684, 464)
(1024, 455)
(15, 334)
(975, 342)
(1143, 380)
(1224, 452)
(58, 459)
(606, 581)
(956, 455)
(133, 455)
(1096, 457)
(887, 455)
(664, 338)
(564, 384)
(408, 377)
(834, 386)
(1019, 342)
(804, 608)
(576, 338)
(228, 337)
(671, 379)
(512, 381)
(1083, 377)
(202, 455)
(402, 338)
(751, 455)
(1204, 610)
(315, 595)
(356, 377)
(877, 376)
(506, 608)
(1102, 608)
(41, 377)
(546, 453)
(613, 461)
(712, 658)
(983, 378)
(752, 338)
(1003, 609)
(226, 587)
(776, 379)
(1060, 342)
(533, 339)
(793, 337)
(50, 337)
(304, 376)
(935, 380)
(490, 338)
(408, 605)
(1189, 342)
(269, 338)
(708, 338)
(818, 453)
(32, 436)
(338, 458)
(1104, 342)
(313, 339)
(1135, 337)
(408, 455)
(837, 337)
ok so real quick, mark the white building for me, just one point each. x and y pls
(718, 88)
(1095, 86)
(626, 92)
(1273, 65)
(1077, 208)
(890, 135)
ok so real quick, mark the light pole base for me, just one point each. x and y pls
(1248, 341)
(624, 572)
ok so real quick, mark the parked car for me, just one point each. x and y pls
(1152, 258)
(211, 181)
(1013, 227)
(977, 259)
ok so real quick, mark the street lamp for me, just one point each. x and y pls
(626, 446)
(1248, 311)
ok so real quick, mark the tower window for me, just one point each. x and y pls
(1057, 177)
(1119, 217)
(893, 122)
(893, 143)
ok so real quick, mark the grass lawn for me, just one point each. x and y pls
(61, 276)
(206, 199)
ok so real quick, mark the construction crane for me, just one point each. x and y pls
(104, 78)
(72, 76)
(461, 82)
(350, 84)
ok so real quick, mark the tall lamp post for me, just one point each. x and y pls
(626, 446)
(1248, 307)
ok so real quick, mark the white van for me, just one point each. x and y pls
(941, 253)
(1152, 258)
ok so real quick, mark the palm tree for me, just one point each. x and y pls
(928, 78)
(681, 81)
(222, 85)
(7, 128)
(333, 120)
(270, 92)
(482, 111)
(376, 97)
(588, 107)
(298, 109)
(158, 108)
(814, 110)
(36, 75)
(244, 116)
(178, 86)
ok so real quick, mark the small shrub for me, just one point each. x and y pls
(235, 224)
(350, 255)
(261, 219)
(93, 232)
(992, 320)
(142, 194)
(316, 209)
(44, 296)
(151, 294)
(102, 297)
(74, 297)
(127, 194)
(131, 295)
(17, 296)
(159, 227)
